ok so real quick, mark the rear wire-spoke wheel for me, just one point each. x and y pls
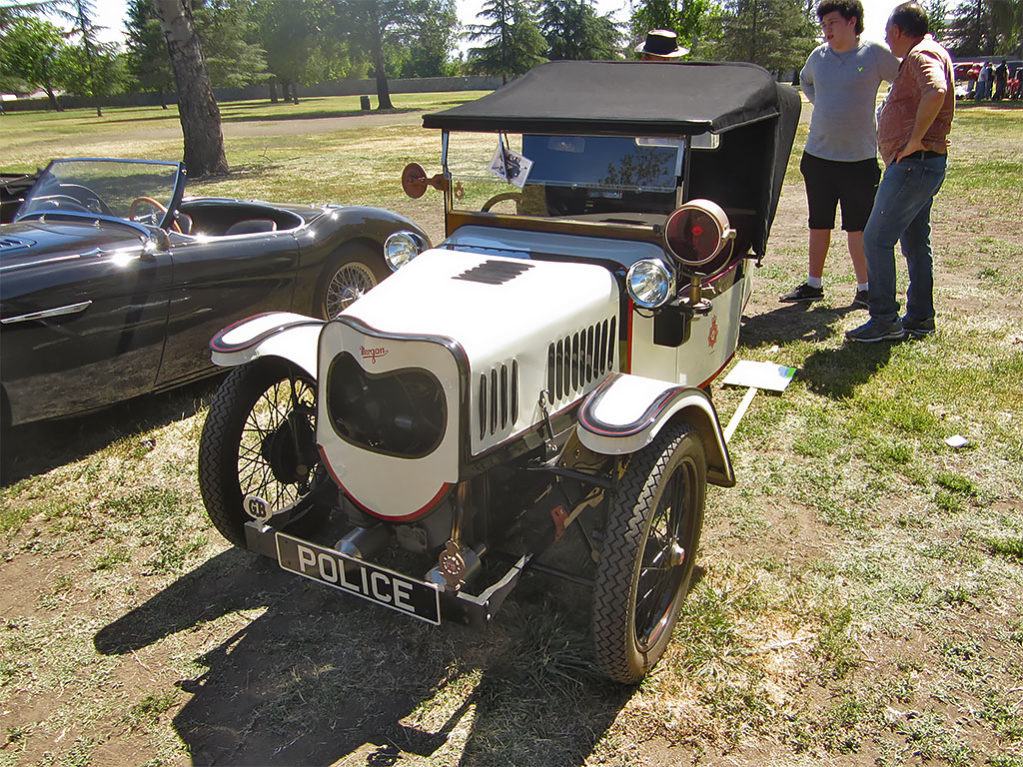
(259, 441)
(649, 550)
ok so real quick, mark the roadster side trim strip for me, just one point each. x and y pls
(57, 311)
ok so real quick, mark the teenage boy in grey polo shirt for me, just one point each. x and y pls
(839, 164)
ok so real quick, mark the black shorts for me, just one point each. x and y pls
(829, 182)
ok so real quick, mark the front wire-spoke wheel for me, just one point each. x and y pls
(258, 447)
(648, 554)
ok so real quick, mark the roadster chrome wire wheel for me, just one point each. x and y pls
(346, 286)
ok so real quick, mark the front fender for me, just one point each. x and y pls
(286, 335)
(625, 413)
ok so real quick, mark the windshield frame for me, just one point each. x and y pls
(176, 193)
(646, 220)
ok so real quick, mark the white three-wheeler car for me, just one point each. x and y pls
(544, 368)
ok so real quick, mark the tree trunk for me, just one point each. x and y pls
(273, 91)
(53, 99)
(200, 116)
(383, 92)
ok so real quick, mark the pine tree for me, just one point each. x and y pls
(513, 42)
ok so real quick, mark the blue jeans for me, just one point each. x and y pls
(902, 213)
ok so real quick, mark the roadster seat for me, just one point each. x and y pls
(252, 226)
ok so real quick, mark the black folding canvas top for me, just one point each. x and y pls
(624, 97)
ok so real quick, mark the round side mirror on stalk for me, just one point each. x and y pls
(414, 181)
(697, 234)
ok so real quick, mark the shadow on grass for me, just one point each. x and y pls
(837, 373)
(319, 677)
(36, 448)
(317, 115)
(790, 322)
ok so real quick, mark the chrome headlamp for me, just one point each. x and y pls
(401, 247)
(649, 283)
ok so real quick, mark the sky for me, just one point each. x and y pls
(110, 14)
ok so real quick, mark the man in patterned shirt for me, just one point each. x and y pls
(912, 136)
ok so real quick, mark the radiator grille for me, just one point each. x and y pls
(577, 360)
(498, 398)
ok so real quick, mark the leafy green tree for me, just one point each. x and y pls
(429, 48)
(513, 43)
(95, 75)
(299, 42)
(377, 28)
(937, 16)
(228, 36)
(985, 28)
(31, 55)
(147, 59)
(199, 114)
(573, 30)
(81, 14)
(19, 10)
(777, 34)
(687, 18)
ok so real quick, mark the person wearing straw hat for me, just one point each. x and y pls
(661, 45)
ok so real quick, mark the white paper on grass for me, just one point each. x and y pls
(510, 166)
(760, 375)
(957, 440)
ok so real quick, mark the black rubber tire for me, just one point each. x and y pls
(635, 606)
(247, 447)
(355, 265)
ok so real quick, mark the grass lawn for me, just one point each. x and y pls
(859, 598)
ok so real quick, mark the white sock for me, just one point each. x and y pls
(814, 282)
(862, 286)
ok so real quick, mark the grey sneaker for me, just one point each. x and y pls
(918, 328)
(873, 331)
(803, 294)
(862, 299)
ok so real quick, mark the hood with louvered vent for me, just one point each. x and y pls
(524, 327)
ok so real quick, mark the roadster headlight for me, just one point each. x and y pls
(401, 247)
(650, 284)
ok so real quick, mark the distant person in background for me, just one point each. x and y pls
(839, 164)
(912, 135)
(984, 82)
(661, 45)
(971, 81)
(1001, 77)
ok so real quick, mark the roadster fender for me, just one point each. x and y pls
(625, 413)
(275, 334)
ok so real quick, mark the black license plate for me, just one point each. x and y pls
(369, 581)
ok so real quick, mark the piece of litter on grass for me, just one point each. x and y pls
(762, 375)
(957, 440)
